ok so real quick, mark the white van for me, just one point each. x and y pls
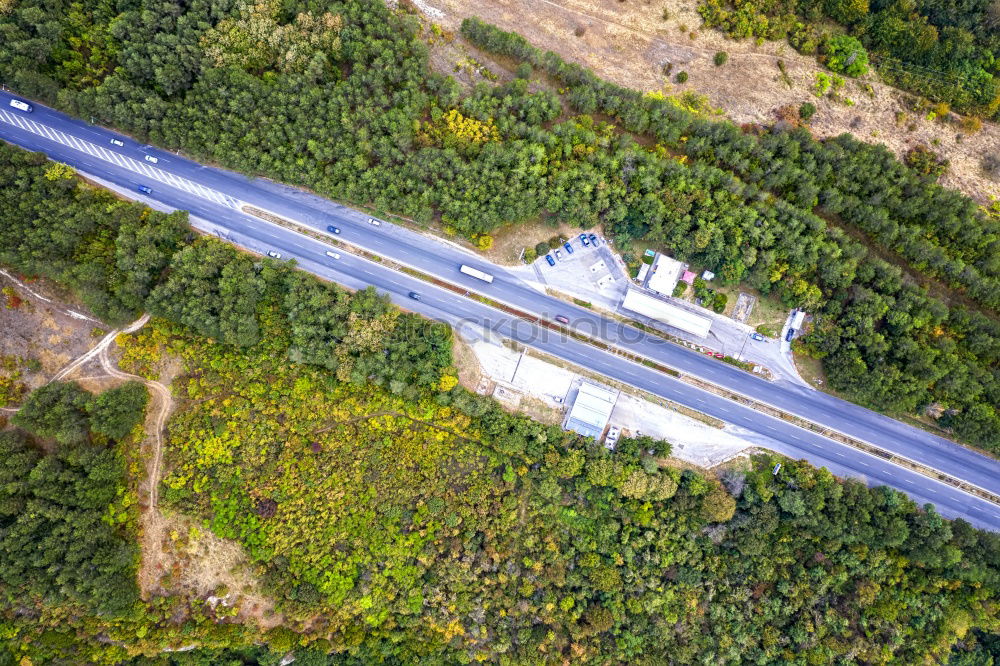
(150, 158)
(21, 106)
(332, 255)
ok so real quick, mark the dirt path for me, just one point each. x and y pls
(100, 348)
(67, 311)
(160, 393)
(165, 405)
(177, 557)
(151, 520)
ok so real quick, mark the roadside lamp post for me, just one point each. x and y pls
(740, 357)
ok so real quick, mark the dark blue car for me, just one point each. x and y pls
(145, 190)
(548, 258)
(333, 230)
(593, 239)
(569, 248)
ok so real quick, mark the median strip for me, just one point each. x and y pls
(734, 396)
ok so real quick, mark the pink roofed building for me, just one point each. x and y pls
(688, 277)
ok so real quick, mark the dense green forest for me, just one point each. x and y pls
(397, 518)
(452, 531)
(341, 100)
(67, 515)
(444, 525)
(943, 50)
(439, 528)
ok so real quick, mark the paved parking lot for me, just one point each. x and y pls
(591, 274)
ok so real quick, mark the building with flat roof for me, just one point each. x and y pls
(591, 409)
(639, 301)
(664, 275)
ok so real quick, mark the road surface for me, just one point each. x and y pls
(216, 196)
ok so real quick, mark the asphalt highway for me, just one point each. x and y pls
(214, 196)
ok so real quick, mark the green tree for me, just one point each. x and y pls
(115, 412)
(846, 55)
(56, 411)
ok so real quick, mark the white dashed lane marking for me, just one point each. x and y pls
(136, 166)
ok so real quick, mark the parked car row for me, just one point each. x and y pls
(587, 240)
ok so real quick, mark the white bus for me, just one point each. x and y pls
(469, 270)
(21, 106)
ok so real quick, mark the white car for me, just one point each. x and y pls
(332, 255)
(118, 142)
(372, 220)
(150, 158)
(273, 254)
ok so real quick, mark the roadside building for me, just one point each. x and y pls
(591, 410)
(646, 304)
(664, 275)
(689, 277)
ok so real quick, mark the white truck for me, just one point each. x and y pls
(21, 106)
(469, 270)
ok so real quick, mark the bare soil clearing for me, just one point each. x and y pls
(509, 241)
(466, 363)
(180, 557)
(41, 330)
(629, 42)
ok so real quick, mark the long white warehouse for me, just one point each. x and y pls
(671, 315)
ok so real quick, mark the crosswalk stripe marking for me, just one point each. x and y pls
(118, 159)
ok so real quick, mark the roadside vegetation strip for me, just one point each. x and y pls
(740, 398)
